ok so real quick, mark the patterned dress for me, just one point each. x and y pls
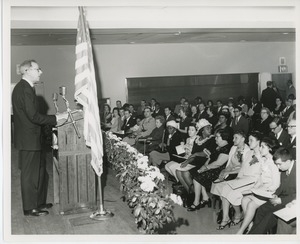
(206, 178)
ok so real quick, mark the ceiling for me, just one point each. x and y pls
(23, 37)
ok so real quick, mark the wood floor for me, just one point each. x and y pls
(201, 222)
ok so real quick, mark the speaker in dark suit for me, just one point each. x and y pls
(27, 139)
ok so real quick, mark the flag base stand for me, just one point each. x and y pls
(101, 214)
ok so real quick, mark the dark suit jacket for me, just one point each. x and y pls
(174, 141)
(287, 113)
(242, 125)
(27, 119)
(268, 98)
(292, 148)
(287, 189)
(202, 115)
(284, 139)
(126, 126)
(171, 117)
(264, 126)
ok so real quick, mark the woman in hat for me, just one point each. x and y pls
(197, 159)
(209, 172)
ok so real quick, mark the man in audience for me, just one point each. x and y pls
(132, 111)
(168, 114)
(119, 104)
(146, 127)
(290, 89)
(152, 104)
(291, 128)
(198, 100)
(128, 123)
(180, 105)
(264, 219)
(280, 134)
(202, 113)
(168, 148)
(158, 110)
(288, 109)
(268, 97)
(219, 107)
(141, 108)
(122, 114)
(239, 122)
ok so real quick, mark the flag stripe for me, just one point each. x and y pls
(86, 92)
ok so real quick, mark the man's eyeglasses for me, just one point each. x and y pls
(291, 126)
(38, 69)
(236, 111)
(273, 128)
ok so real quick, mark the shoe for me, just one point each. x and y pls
(35, 212)
(224, 224)
(236, 221)
(193, 207)
(207, 202)
(45, 205)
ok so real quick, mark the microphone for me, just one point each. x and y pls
(62, 91)
(54, 98)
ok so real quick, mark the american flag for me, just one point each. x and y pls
(86, 92)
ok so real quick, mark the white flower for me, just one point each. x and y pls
(154, 173)
(176, 199)
(131, 149)
(146, 183)
(142, 163)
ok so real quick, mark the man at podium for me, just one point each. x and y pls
(27, 139)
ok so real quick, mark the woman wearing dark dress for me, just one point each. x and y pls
(184, 122)
(197, 159)
(279, 108)
(209, 172)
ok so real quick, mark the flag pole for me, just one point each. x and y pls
(101, 214)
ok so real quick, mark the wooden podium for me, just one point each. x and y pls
(74, 180)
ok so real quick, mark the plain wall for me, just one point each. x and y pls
(115, 63)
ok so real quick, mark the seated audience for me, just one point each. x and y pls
(239, 122)
(223, 122)
(179, 106)
(168, 114)
(128, 123)
(211, 117)
(287, 110)
(231, 106)
(277, 111)
(132, 111)
(146, 127)
(194, 113)
(118, 104)
(264, 124)
(202, 112)
(236, 157)
(242, 103)
(141, 108)
(267, 183)
(250, 169)
(291, 128)
(188, 148)
(219, 107)
(107, 116)
(264, 219)
(158, 110)
(209, 172)
(115, 124)
(151, 142)
(184, 122)
(172, 139)
(276, 127)
(210, 104)
(152, 104)
(205, 139)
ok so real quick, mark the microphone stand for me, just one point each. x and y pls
(71, 116)
(55, 102)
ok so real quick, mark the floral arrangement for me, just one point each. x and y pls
(142, 185)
